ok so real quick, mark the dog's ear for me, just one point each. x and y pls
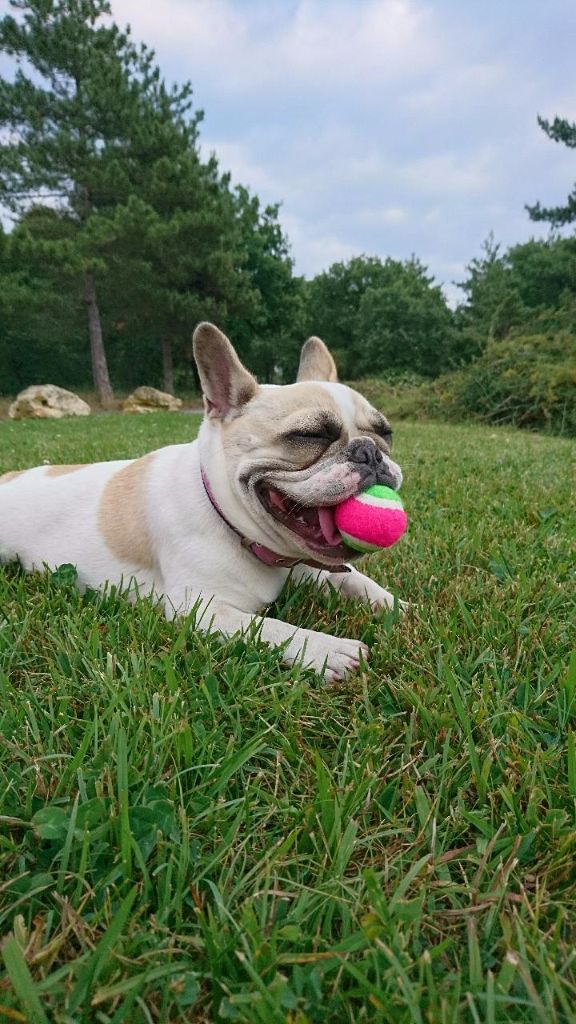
(316, 363)
(226, 384)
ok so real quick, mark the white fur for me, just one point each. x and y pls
(198, 561)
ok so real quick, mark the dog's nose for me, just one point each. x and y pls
(373, 466)
(363, 450)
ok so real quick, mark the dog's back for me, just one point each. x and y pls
(50, 515)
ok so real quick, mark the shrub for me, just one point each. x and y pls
(395, 394)
(524, 381)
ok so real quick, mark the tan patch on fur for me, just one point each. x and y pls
(62, 470)
(122, 515)
(6, 477)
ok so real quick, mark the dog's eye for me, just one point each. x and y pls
(310, 436)
(384, 431)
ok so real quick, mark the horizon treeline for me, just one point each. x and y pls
(124, 236)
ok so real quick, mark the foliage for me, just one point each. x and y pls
(491, 303)
(381, 315)
(96, 129)
(559, 130)
(505, 290)
(42, 331)
(524, 381)
(269, 338)
(193, 832)
(527, 381)
(395, 393)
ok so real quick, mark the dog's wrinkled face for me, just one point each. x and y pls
(281, 458)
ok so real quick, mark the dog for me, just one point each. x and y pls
(218, 525)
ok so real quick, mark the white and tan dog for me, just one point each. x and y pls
(219, 524)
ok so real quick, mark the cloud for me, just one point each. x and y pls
(242, 165)
(389, 127)
(245, 47)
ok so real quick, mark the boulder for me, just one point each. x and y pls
(146, 399)
(47, 402)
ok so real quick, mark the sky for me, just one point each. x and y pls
(385, 127)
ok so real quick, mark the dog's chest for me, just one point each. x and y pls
(238, 577)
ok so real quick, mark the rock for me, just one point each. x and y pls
(151, 400)
(47, 402)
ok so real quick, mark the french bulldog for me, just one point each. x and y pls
(217, 526)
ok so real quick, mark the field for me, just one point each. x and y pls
(193, 832)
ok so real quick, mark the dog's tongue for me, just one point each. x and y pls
(323, 516)
(328, 527)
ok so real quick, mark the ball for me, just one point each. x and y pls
(371, 520)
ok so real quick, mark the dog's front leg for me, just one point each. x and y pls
(351, 584)
(331, 656)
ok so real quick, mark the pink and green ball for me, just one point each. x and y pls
(371, 520)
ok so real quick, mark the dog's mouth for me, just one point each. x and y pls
(316, 526)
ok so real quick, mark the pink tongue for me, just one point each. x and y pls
(328, 526)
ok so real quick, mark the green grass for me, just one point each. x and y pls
(193, 832)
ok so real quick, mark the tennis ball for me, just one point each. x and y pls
(371, 520)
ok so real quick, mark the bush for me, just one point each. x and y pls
(524, 381)
(394, 396)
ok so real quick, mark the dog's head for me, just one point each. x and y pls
(279, 458)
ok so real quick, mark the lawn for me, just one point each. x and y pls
(193, 832)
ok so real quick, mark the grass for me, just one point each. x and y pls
(192, 832)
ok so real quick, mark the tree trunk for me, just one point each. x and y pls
(167, 365)
(97, 351)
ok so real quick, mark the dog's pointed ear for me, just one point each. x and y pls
(226, 384)
(316, 363)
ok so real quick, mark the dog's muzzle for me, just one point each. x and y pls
(374, 467)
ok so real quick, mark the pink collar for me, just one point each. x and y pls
(262, 553)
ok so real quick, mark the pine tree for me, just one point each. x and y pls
(182, 253)
(88, 116)
(269, 335)
(559, 130)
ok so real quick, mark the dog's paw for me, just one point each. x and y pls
(333, 657)
(388, 603)
(378, 598)
(362, 587)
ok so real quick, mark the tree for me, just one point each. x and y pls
(544, 272)
(506, 291)
(333, 303)
(559, 130)
(270, 335)
(405, 323)
(86, 125)
(174, 259)
(380, 315)
(492, 303)
(41, 325)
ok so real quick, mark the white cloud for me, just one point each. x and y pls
(383, 126)
(249, 46)
(243, 166)
(449, 173)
